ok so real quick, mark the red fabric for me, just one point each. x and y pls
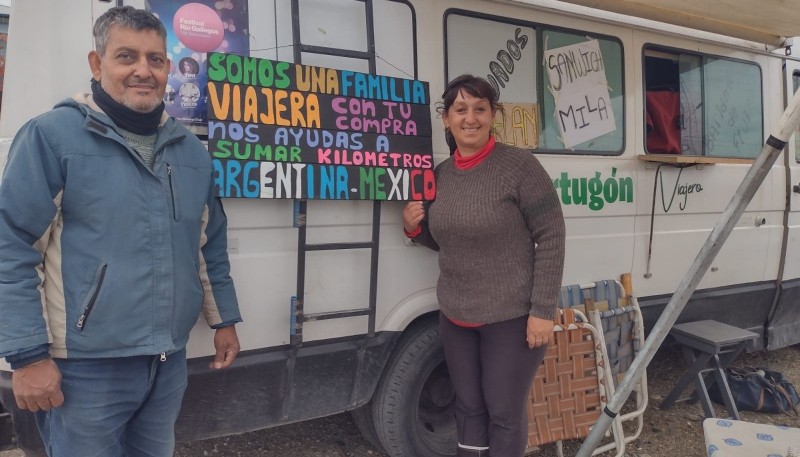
(465, 163)
(663, 122)
(464, 324)
(414, 233)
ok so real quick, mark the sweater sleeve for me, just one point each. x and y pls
(29, 202)
(541, 209)
(424, 236)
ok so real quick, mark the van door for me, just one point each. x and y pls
(704, 119)
(783, 327)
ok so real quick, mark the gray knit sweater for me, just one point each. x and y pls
(499, 231)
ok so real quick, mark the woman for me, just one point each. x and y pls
(499, 230)
(189, 67)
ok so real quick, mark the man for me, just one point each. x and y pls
(111, 243)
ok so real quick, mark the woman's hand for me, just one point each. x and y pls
(539, 331)
(413, 213)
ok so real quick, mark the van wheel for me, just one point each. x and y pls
(413, 405)
(362, 417)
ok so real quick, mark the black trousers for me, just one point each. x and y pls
(491, 368)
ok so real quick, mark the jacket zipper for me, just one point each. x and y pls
(90, 305)
(172, 193)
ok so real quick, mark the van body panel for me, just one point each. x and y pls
(262, 390)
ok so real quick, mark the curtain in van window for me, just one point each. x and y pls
(691, 116)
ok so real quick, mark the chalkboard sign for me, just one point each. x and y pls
(283, 130)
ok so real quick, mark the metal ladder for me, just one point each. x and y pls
(298, 314)
(299, 317)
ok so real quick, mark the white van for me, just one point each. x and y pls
(340, 309)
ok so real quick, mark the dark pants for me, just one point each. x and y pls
(491, 368)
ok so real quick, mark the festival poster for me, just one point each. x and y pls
(284, 130)
(193, 30)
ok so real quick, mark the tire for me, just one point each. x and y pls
(362, 417)
(413, 405)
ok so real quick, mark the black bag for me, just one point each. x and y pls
(758, 389)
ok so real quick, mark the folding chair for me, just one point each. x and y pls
(614, 310)
(572, 386)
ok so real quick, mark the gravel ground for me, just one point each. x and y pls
(677, 432)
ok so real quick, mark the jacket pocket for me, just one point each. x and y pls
(91, 298)
(172, 193)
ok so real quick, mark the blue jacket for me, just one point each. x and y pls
(99, 255)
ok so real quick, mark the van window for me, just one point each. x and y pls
(701, 105)
(510, 54)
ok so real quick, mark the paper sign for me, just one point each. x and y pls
(580, 89)
(517, 125)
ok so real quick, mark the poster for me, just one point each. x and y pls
(580, 89)
(193, 30)
(284, 130)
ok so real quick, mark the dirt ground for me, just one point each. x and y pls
(677, 432)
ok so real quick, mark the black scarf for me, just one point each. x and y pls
(124, 117)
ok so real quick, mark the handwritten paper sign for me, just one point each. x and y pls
(284, 130)
(578, 83)
(518, 125)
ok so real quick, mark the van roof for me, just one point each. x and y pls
(772, 22)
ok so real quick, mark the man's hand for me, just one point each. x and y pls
(227, 344)
(37, 387)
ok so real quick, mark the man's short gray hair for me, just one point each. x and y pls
(128, 17)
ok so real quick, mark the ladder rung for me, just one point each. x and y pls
(335, 314)
(334, 246)
(324, 50)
